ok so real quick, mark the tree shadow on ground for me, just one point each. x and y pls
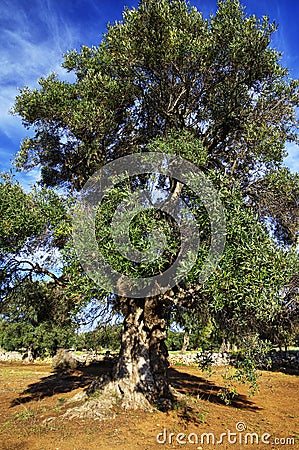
(62, 382)
(67, 381)
(288, 370)
(200, 388)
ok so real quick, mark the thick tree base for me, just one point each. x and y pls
(105, 396)
(139, 377)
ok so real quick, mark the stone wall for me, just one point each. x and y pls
(10, 356)
(280, 361)
(289, 360)
(189, 359)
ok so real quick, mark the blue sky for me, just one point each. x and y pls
(35, 35)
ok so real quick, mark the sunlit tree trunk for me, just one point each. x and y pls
(30, 354)
(186, 341)
(140, 372)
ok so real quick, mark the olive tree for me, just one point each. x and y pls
(165, 79)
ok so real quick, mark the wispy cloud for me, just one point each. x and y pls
(34, 36)
(31, 46)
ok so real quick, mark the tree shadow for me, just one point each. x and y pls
(203, 389)
(287, 370)
(62, 382)
(67, 381)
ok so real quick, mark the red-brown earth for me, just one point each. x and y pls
(33, 399)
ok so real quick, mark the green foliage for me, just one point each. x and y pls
(34, 310)
(246, 287)
(44, 339)
(251, 357)
(27, 215)
(19, 217)
(278, 192)
(200, 338)
(36, 315)
(103, 337)
(174, 340)
(140, 229)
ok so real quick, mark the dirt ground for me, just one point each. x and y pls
(33, 399)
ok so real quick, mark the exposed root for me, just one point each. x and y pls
(102, 398)
(94, 408)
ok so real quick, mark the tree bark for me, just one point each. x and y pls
(186, 341)
(225, 346)
(140, 373)
(30, 354)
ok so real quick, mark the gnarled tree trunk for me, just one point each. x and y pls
(186, 341)
(139, 379)
(140, 372)
(30, 354)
